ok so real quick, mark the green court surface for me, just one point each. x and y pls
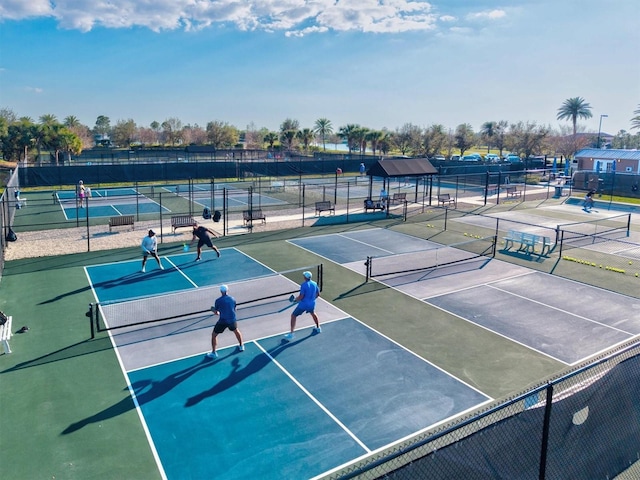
(66, 409)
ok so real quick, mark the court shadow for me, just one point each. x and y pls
(86, 347)
(238, 374)
(145, 391)
(363, 288)
(531, 257)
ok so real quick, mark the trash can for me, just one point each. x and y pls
(558, 191)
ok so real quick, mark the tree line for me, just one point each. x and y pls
(21, 138)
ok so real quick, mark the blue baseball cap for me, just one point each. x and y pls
(307, 275)
(224, 288)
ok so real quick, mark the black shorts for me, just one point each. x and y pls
(221, 325)
(205, 241)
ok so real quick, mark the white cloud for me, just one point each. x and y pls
(447, 18)
(20, 9)
(294, 17)
(34, 89)
(488, 15)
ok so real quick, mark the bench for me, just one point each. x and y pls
(277, 186)
(121, 221)
(446, 198)
(371, 205)
(251, 215)
(21, 202)
(513, 192)
(5, 334)
(528, 242)
(325, 206)
(398, 198)
(180, 221)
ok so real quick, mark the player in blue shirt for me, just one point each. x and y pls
(225, 307)
(306, 301)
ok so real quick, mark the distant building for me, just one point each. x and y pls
(607, 161)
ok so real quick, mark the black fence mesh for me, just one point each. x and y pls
(584, 424)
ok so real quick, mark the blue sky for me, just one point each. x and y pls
(377, 63)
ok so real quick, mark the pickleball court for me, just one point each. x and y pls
(279, 408)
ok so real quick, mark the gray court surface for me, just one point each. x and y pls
(143, 345)
(565, 320)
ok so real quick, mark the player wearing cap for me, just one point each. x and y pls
(150, 247)
(225, 307)
(306, 301)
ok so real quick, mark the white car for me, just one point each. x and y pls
(491, 157)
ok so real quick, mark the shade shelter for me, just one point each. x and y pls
(390, 168)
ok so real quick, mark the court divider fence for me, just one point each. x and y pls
(9, 203)
(583, 423)
(294, 200)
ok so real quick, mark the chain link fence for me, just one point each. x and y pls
(583, 424)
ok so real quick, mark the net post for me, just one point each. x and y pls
(367, 267)
(89, 314)
(628, 222)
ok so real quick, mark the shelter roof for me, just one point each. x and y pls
(608, 154)
(402, 167)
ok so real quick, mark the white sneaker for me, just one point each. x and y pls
(143, 270)
(161, 267)
(289, 336)
(241, 348)
(318, 329)
(212, 355)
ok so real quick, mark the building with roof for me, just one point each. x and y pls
(607, 160)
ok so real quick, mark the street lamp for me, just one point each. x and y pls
(600, 128)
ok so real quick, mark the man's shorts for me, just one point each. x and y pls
(221, 325)
(205, 241)
(300, 310)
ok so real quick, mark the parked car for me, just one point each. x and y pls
(491, 157)
(455, 158)
(472, 157)
(438, 157)
(513, 158)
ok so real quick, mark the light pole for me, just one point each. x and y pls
(600, 128)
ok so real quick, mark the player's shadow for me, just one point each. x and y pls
(238, 373)
(145, 391)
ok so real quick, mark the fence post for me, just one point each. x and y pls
(545, 434)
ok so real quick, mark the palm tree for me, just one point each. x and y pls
(305, 136)
(349, 133)
(574, 108)
(488, 131)
(635, 121)
(375, 137)
(71, 121)
(287, 137)
(323, 128)
(271, 138)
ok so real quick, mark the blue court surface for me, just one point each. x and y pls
(120, 281)
(280, 409)
(108, 203)
(565, 320)
(292, 410)
(605, 205)
(236, 198)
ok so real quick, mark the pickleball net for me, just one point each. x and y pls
(580, 234)
(253, 293)
(404, 263)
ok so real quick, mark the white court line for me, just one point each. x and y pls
(559, 309)
(315, 400)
